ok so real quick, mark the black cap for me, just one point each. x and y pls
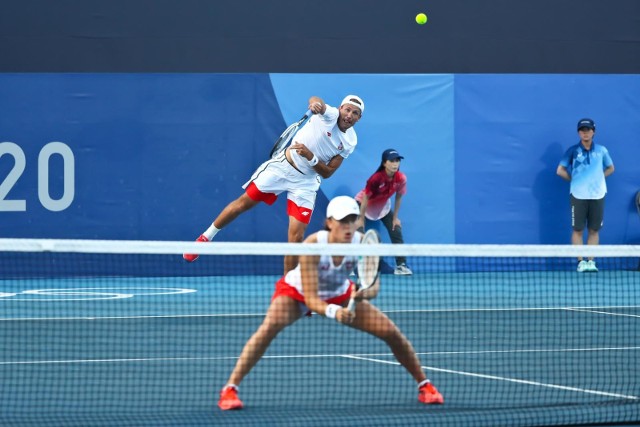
(586, 123)
(390, 154)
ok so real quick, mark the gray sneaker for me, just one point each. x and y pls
(582, 266)
(402, 270)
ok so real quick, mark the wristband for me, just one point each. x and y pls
(313, 161)
(331, 310)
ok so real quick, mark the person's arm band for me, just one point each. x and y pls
(331, 310)
(313, 161)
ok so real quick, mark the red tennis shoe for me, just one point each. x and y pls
(229, 399)
(193, 257)
(428, 394)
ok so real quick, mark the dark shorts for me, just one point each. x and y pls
(589, 212)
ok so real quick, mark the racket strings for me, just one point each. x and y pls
(368, 269)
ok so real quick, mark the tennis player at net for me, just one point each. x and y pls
(321, 284)
(317, 151)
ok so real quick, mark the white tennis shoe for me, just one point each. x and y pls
(582, 266)
(402, 270)
(587, 266)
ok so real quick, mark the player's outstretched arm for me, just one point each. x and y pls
(317, 105)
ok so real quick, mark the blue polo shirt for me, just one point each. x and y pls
(586, 168)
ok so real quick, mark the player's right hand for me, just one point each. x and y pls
(345, 316)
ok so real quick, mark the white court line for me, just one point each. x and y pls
(166, 359)
(155, 316)
(305, 356)
(434, 310)
(512, 380)
(559, 350)
(608, 313)
(356, 357)
(455, 310)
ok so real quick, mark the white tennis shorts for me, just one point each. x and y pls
(277, 175)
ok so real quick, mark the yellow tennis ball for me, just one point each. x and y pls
(421, 18)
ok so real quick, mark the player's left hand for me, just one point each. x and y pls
(360, 294)
(366, 294)
(302, 150)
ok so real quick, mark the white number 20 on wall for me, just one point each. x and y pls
(19, 165)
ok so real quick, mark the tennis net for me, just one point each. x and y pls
(114, 333)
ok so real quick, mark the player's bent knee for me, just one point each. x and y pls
(296, 237)
(389, 332)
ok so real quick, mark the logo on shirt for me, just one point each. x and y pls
(305, 213)
(329, 134)
(341, 147)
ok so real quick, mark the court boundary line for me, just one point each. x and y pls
(312, 356)
(430, 310)
(583, 310)
(506, 379)
(367, 358)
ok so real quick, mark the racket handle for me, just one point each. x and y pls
(352, 305)
(308, 114)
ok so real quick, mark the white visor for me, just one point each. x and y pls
(341, 207)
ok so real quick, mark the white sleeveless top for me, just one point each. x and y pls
(333, 280)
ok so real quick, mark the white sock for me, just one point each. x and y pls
(233, 386)
(423, 383)
(211, 232)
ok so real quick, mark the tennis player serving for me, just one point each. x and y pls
(317, 151)
(321, 284)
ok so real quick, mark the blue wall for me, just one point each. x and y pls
(511, 131)
(156, 156)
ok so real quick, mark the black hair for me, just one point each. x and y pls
(381, 167)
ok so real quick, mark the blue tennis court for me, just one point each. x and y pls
(525, 348)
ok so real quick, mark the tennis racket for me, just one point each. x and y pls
(368, 267)
(285, 139)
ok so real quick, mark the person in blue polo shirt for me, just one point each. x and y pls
(586, 165)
